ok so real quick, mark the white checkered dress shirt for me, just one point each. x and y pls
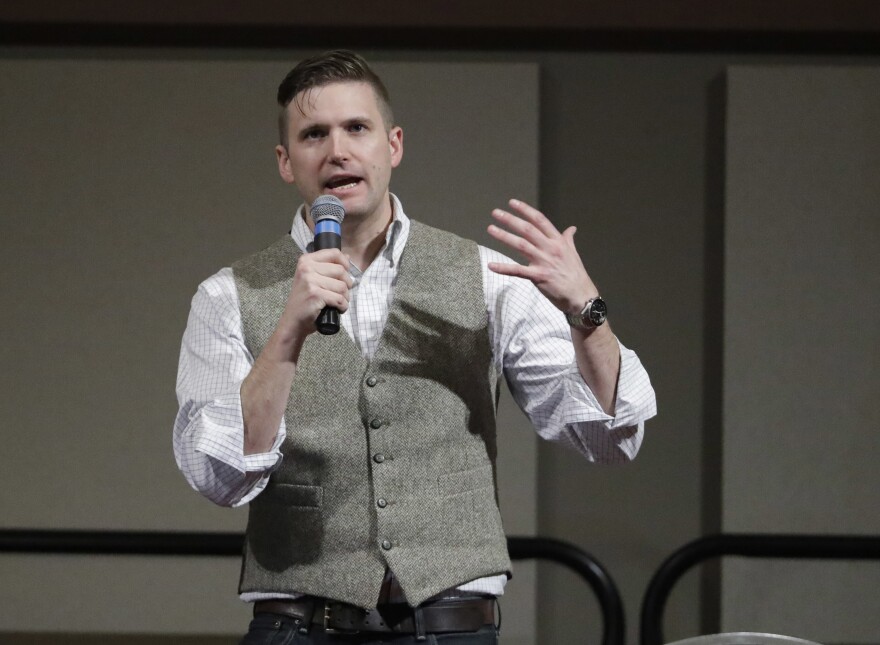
(531, 343)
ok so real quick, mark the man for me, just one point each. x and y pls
(368, 457)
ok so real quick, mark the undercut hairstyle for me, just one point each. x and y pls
(337, 66)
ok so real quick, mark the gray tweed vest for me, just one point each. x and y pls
(388, 462)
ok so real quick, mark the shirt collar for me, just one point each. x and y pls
(395, 237)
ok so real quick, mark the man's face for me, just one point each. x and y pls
(338, 145)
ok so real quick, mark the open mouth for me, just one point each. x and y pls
(342, 183)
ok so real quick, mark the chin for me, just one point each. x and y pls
(357, 208)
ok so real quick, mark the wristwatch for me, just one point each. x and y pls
(593, 314)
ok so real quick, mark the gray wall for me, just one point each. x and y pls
(628, 151)
(124, 187)
(802, 342)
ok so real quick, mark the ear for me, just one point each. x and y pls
(284, 167)
(395, 141)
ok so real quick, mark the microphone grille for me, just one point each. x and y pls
(327, 207)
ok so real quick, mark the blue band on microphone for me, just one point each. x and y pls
(328, 226)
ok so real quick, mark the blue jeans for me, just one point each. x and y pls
(274, 629)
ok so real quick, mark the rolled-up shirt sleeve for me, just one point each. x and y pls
(209, 428)
(533, 349)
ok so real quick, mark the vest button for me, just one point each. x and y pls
(372, 381)
(381, 502)
(375, 424)
(378, 457)
(386, 545)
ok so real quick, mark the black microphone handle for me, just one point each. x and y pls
(327, 240)
(328, 320)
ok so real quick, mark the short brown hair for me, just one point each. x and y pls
(337, 66)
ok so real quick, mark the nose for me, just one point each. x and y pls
(338, 150)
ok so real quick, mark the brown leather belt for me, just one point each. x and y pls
(450, 615)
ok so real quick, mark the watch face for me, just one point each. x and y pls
(598, 312)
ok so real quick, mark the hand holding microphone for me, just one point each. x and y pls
(327, 212)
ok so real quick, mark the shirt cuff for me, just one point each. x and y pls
(634, 401)
(221, 437)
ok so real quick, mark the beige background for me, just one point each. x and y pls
(801, 286)
(125, 184)
(632, 151)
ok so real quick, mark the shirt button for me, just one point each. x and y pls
(386, 544)
(381, 502)
(378, 457)
(371, 381)
(375, 424)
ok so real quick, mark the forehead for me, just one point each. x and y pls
(335, 101)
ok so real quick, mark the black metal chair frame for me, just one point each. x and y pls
(842, 547)
(230, 544)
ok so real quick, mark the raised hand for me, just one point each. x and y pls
(553, 263)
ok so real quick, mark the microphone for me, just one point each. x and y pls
(327, 212)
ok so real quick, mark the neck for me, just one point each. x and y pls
(363, 237)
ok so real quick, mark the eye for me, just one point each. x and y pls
(312, 135)
(357, 127)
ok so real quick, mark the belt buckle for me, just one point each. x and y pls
(334, 630)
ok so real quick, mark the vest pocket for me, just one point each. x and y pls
(463, 481)
(468, 503)
(285, 526)
(293, 495)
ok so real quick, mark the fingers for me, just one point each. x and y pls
(553, 263)
(307, 299)
(568, 236)
(530, 233)
(321, 280)
(330, 292)
(329, 262)
(514, 270)
(535, 218)
(517, 243)
(321, 266)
